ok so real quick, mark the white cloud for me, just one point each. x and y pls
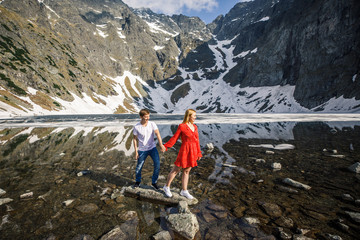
(173, 6)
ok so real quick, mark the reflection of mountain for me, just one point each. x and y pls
(82, 145)
(119, 137)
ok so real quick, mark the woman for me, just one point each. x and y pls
(189, 152)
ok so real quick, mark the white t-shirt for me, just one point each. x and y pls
(145, 135)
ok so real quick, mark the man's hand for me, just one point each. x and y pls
(136, 155)
(163, 148)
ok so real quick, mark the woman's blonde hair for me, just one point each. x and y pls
(188, 113)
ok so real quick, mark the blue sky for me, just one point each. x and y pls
(207, 10)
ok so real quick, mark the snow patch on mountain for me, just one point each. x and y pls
(156, 28)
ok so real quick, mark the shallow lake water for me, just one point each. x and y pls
(64, 176)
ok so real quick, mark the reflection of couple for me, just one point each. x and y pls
(187, 158)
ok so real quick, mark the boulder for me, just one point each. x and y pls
(183, 223)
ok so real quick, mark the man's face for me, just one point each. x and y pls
(145, 118)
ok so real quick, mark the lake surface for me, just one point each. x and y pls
(64, 175)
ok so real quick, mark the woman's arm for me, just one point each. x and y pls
(157, 133)
(174, 138)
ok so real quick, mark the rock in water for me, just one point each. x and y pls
(2, 192)
(296, 184)
(114, 234)
(5, 200)
(355, 167)
(147, 193)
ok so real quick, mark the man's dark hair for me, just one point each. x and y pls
(144, 112)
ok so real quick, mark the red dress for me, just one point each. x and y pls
(190, 147)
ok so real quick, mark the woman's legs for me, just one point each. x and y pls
(175, 170)
(185, 178)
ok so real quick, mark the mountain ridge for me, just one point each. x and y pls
(78, 56)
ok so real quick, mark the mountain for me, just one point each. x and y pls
(101, 56)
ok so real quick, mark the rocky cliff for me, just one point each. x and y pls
(76, 56)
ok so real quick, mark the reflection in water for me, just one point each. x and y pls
(46, 160)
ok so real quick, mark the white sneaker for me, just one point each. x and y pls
(167, 191)
(186, 194)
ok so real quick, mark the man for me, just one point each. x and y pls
(145, 145)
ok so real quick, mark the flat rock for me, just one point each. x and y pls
(215, 207)
(87, 208)
(147, 193)
(208, 217)
(271, 209)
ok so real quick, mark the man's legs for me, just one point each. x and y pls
(156, 159)
(140, 164)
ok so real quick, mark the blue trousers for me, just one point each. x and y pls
(154, 154)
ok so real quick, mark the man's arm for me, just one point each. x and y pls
(157, 133)
(135, 141)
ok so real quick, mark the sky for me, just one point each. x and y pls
(207, 10)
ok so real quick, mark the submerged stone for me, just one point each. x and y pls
(2, 192)
(296, 184)
(114, 234)
(355, 167)
(5, 200)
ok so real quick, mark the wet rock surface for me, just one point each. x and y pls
(238, 197)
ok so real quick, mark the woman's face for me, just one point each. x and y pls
(192, 118)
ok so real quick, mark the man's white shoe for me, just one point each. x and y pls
(167, 191)
(186, 194)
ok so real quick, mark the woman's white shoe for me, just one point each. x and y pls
(167, 191)
(186, 194)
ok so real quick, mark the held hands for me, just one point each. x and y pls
(163, 148)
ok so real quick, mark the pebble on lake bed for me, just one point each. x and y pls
(355, 167)
(5, 200)
(276, 166)
(2, 192)
(296, 184)
(27, 195)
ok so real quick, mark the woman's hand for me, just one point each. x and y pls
(136, 155)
